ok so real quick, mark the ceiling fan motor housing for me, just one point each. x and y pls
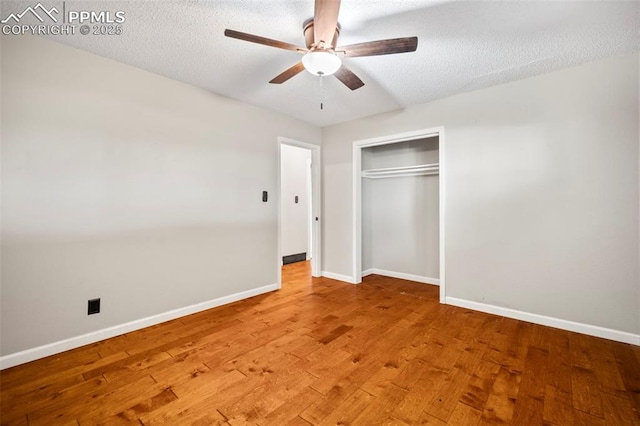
(309, 36)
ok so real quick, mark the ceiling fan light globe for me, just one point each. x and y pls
(321, 63)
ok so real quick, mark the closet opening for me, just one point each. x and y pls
(398, 187)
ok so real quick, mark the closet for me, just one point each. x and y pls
(400, 210)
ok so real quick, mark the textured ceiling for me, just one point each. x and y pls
(462, 46)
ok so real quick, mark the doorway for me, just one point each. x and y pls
(358, 174)
(299, 207)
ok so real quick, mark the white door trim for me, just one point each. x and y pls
(357, 195)
(316, 228)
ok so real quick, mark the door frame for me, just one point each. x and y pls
(316, 199)
(357, 194)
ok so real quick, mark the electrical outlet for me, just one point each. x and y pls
(93, 307)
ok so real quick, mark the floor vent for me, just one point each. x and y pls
(300, 257)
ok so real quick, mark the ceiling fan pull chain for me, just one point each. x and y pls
(321, 94)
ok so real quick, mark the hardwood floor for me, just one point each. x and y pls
(323, 352)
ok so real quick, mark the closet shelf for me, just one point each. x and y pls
(388, 172)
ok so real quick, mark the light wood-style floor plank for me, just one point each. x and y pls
(322, 352)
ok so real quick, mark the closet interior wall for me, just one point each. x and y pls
(400, 210)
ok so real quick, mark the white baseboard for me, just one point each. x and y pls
(591, 330)
(339, 277)
(402, 276)
(95, 336)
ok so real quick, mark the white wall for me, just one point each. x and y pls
(405, 226)
(295, 181)
(124, 185)
(542, 205)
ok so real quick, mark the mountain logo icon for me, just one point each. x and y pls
(33, 11)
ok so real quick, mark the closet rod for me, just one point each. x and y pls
(400, 174)
(397, 172)
(418, 170)
(425, 173)
(394, 169)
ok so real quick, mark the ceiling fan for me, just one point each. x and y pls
(322, 55)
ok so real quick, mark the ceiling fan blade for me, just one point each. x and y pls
(287, 74)
(348, 78)
(325, 22)
(380, 47)
(263, 40)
